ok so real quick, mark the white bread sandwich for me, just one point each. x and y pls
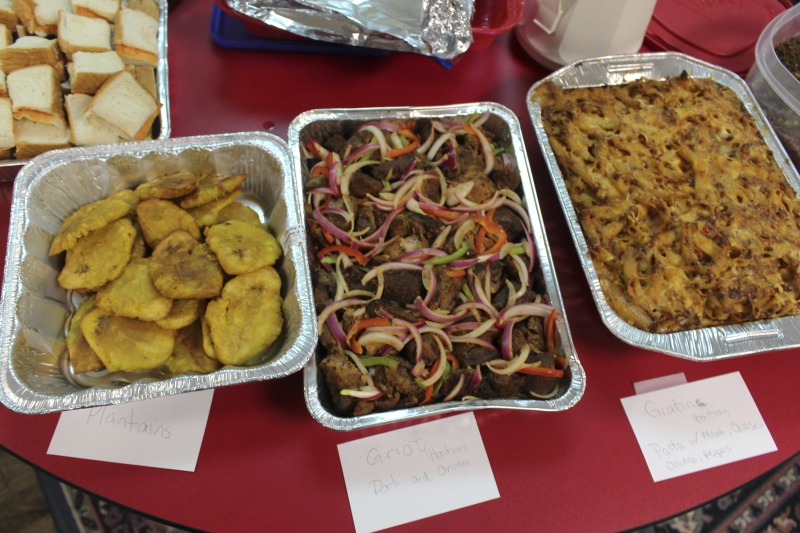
(83, 132)
(8, 17)
(123, 106)
(104, 9)
(6, 37)
(146, 76)
(77, 33)
(89, 70)
(33, 138)
(7, 141)
(36, 94)
(3, 85)
(136, 37)
(149, 7)
(40, 17)
(31, 50)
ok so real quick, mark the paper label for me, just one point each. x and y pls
(163, 432)
(698, 425)
(411, 473)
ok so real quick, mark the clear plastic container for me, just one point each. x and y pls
(775, 87)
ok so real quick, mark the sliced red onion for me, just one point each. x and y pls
(423, 148)
(478, 341)
(415, 334)
(380, 138)
(452, 394)
(438, 143)
(364, 395)
(506, 346)
(358, 152)
(463, 263)
(444, 337)
(476, 379)
(524, 310)
(488, 309)
(505, 368)
(431, 286)
(436, 376)
(385, 124)
(335, 306)
(429, 314)
(374, 335)
(380, 203)
(486, 148)
(336, 329)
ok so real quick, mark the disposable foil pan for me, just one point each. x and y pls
(704, 344)
(35, 376)
(504, 124)
(161, 125)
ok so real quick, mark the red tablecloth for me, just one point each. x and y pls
(265, 464)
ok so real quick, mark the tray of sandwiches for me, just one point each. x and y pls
(79, 73)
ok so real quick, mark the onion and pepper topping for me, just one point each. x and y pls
(424, 265)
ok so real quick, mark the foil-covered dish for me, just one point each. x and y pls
(661, 221)
(37, 374)
(434, 285)
(149, 69)
(439, 28)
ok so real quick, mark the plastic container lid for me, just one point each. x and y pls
(722, 32)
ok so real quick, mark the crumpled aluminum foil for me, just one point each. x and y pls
(439, 28)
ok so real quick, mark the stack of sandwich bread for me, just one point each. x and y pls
(76, 73)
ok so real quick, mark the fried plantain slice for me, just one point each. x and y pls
(188, 355)
(208, 346)
(183, 313)
(242, 247)
(91, 217)
(127, 344)
(139, 246)
(168, 186)
(99, 257)
(207, 214)
(158, 218)
(182, 267)
(133, 294)
(246, 318)
(238, 211)
(81, 355)
(212, 188)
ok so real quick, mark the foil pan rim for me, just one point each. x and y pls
(577, 384)
(703, 344)
(20, 398)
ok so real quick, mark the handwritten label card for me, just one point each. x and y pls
(415, 472)
(697, 425)
(163, 432)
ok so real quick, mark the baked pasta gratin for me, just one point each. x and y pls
(688, 219)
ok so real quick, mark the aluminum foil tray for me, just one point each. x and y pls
(704, 344)
(161, 126)
(504, 124)
(35, 375)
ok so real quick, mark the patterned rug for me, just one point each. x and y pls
(770, 503)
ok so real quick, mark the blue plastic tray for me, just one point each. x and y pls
(231, 32)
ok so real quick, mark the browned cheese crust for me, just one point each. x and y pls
(689, 220)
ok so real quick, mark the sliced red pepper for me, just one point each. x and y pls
(456, 273)
(361, 325)
(442, 213)
(347, 250)
(319, 170)
(453, 361)
(550, 332)
(487, 225)
(429, 388)
(541, 371)
(410, 147)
